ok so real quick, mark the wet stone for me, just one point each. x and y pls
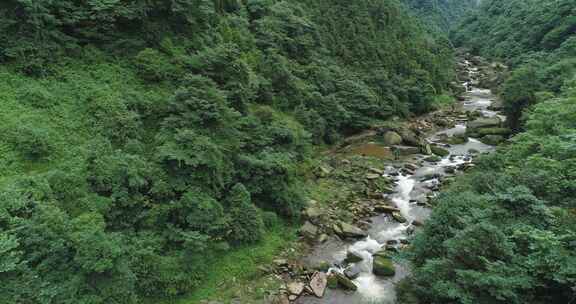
(318, 284)
(352, 273)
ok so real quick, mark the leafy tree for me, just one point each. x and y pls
(519, 92)
(245, 220)
(33, 141)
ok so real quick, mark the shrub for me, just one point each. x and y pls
(153, 65)
(270, 219)
(245, 219)
(37, 96)
(32, 141)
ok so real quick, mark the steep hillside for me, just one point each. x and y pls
(142, 139)
(443, 14)
(538, 38)
(515, 29)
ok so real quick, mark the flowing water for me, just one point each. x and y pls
(411, 193)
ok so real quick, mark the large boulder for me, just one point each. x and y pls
(490, 80)
(323, 171)
(351, 231)
(372, 176)
(320, 265)
(314, 214)
(484, 122)
(280, 299)
(392, 138)
(295, 288)
(492, 140)
(477, 60)
(385, 209)
(383, 266)
(309, 231)
(318, 284)
(458, 139)
(410, 138)
(440, 151)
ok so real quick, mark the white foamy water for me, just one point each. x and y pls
(402, 198)
(365, 249)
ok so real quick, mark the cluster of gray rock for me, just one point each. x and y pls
(487, 75)
(489, 130)
(301, 282)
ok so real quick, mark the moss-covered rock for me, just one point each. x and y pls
(351, 231)
(383, 266)
(392, 138)
(345, 282)
(433, 159)
(457, 139)
(494, 131)
(440, 151)
(382, 253)
(492, 140)
(399, 217)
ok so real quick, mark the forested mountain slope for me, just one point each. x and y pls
(143, 137)
(536, 37)
(443, 14)
(506, 233)
(517, 28)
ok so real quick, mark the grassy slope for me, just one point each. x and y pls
(61, 106)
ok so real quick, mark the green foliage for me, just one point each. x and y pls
(146, 139)
(441, 14)
(246, 225)
(542, 53)
(156, 66)
(519, 92)
(504, 233)
(493, 31)
(36, 96)
(32, 140)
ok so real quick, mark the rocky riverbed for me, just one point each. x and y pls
(382, 186)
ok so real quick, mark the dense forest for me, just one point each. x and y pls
(506, 232)
(143, 137)
(542, 52)
(441, 15)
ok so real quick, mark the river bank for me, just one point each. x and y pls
(366, 201)
(376, 190)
